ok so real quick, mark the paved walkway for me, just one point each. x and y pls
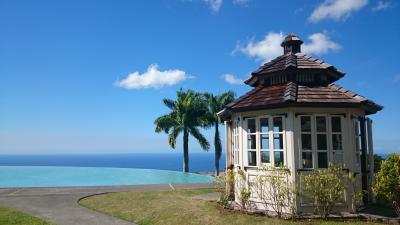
(60, 205)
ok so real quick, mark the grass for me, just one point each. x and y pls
(12, 217)
(178, 208)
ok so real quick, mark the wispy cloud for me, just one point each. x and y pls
(215, 5)
(337, 10)
(382, 5)
(270, 47)
(232, 79)
(152, 78)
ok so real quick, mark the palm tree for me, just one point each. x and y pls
(188, 112)
(216, 104)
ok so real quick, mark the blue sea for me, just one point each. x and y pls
(198, 162)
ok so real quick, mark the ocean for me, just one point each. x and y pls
(198, 162)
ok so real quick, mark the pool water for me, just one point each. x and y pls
(51, 176)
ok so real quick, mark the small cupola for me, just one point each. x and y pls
(292, 44)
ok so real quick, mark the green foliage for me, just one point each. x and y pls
(244, 197)
(325, 187)
(274, 189)
(377, 162)
(188, 112)
(215, 104)
(387, 184)
(221, 182)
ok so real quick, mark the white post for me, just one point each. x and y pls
(227, 146)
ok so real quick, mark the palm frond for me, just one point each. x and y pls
(169, 103)
(194, 131)
(173, 135)
(164, 123)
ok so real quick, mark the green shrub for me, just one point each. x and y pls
(387, 183)
(244, 195)
(274, 189)
(325, 187)
(221, 182)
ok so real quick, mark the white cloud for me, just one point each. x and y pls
(215, 5)
(336, 9)
(270, 47)
(264, 50)
(382, 5)
(152, 78)
(232, 79)
(319, 44)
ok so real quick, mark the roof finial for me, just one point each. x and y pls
(292, 44)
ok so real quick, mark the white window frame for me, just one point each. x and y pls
(357, 142)
(270, 133)
(326, 133)
(247, 135)
(341, 133)
(272, 147)
(314, 145)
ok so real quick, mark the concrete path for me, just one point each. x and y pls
(60, 205)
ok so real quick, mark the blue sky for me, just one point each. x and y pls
(84, 76)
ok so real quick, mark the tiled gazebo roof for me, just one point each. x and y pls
(297, 61)
(292, 94)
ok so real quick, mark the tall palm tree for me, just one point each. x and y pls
(216, 104)
(188, 113)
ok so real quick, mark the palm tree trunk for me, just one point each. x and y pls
(218, 148)
(185, 151)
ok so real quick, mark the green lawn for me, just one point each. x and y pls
(177, 208)
(12, 217)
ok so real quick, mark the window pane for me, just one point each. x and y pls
(322, 160)
(306, 141)
(264, 128)
(321, 142)
(307, 160)
(336, 126)
(265, 157)
(321, 124)
(278, 141)
(251, 126)
(337, 142)
(305, 124)
(278, 124)
(251, 157)
(264, 141)
(278, 157)
(251, 141)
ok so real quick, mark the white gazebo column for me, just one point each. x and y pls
(228, 144)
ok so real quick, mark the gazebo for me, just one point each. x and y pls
(296, 116)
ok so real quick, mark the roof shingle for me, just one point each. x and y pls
(291, 93)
